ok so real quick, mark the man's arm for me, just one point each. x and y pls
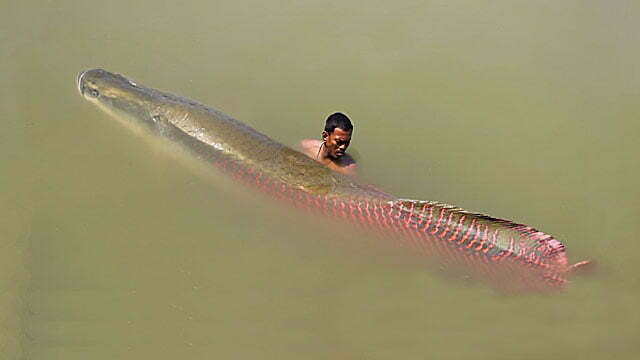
(350, 170)
(347, 165)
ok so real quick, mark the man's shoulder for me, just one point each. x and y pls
(310, 146)
(310, 143)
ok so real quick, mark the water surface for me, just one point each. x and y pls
(113, 249)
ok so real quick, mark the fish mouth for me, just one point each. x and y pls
(79, 82)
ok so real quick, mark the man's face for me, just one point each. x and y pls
(337, 142)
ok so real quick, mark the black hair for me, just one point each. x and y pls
(338, 120)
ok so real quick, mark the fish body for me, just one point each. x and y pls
(506, 254)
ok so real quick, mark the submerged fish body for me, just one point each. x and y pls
(505, 254)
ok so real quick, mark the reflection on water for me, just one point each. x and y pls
(112, 249)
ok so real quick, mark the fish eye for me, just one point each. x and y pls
(94, 93)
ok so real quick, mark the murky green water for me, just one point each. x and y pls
(109, 248)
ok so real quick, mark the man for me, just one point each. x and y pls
(331, 150)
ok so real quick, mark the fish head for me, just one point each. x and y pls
(118, 96)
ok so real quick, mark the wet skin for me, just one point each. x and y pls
(331, 151)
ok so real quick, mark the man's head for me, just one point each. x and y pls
(337, 134)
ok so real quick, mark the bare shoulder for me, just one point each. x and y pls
(310, 143)
(310, 146)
